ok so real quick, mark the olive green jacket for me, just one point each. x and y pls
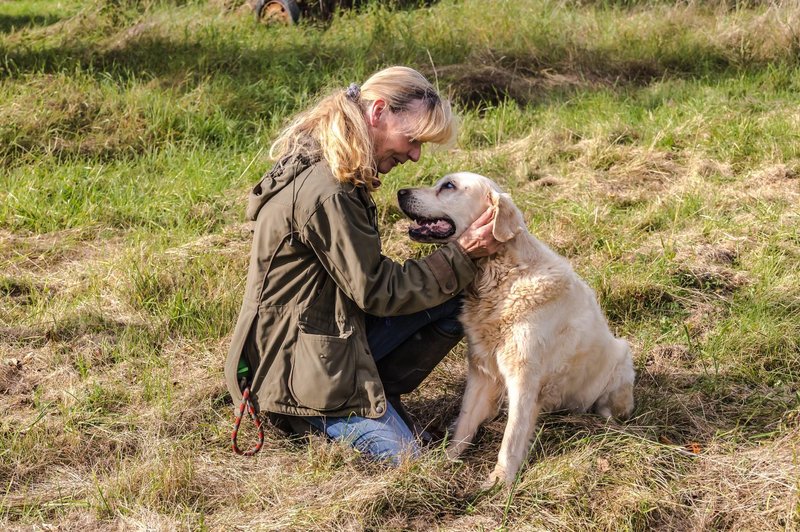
(315, 269)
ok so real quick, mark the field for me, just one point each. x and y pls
(655, 144)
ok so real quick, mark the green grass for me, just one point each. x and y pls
(653, 143)
(18, 15)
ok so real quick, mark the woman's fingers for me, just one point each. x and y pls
(478, 240)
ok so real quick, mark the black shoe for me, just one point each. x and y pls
(292, 426)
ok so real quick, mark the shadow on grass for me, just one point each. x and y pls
(674, 408)
(9, 23)
(246, 86)
(488, 78)
(89, 328)
(256, 83)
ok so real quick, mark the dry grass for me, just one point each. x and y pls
(652, 143)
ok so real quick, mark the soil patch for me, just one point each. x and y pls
(494, 76)
(473, 86)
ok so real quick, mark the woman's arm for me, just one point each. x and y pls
(341, 235)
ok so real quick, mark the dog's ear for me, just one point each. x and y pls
(508, 221)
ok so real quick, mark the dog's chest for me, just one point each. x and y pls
(504, 295)
(497, 289)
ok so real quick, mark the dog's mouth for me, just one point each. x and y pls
(431, 229)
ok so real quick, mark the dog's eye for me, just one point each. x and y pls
(448, 185)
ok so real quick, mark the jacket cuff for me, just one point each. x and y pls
(451, 267)
(463, 252)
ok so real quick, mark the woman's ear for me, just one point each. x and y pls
(508, 221)
(375, 111)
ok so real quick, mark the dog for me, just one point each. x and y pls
(534, 328)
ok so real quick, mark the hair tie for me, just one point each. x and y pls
(353, 92)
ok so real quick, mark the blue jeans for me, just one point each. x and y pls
(388, 437)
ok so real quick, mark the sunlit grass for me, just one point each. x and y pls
(653, 143)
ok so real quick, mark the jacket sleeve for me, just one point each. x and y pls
(345, 241)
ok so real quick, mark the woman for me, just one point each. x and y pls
(331, 331)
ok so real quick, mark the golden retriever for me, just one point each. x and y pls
(533, 327)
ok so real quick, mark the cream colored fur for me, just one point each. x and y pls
(534, 328)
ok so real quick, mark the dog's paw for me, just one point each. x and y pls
(605, 412)
(489, 483)
(498, 477)
(452, 453)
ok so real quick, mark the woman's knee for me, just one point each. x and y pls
(385, 438)
(387, 444)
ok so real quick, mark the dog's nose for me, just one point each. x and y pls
(402, 192)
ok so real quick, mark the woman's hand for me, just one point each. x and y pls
(478, 240)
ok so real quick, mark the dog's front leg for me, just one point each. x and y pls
(522, 383)
(481, 401)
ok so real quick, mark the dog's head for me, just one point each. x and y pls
(444, 211)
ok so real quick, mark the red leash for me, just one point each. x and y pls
(252, 412)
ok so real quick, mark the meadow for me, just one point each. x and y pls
(654, 143)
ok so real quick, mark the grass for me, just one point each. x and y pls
(653, 143)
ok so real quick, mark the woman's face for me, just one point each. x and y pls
(392, 144)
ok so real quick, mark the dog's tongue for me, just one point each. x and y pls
(433, 228)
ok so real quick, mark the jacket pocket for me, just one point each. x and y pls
(323, 375)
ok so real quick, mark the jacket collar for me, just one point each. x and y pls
(280, 176)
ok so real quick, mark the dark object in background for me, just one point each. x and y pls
(277, 11)
(290, 11)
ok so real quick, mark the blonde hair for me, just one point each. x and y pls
(336, 127)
